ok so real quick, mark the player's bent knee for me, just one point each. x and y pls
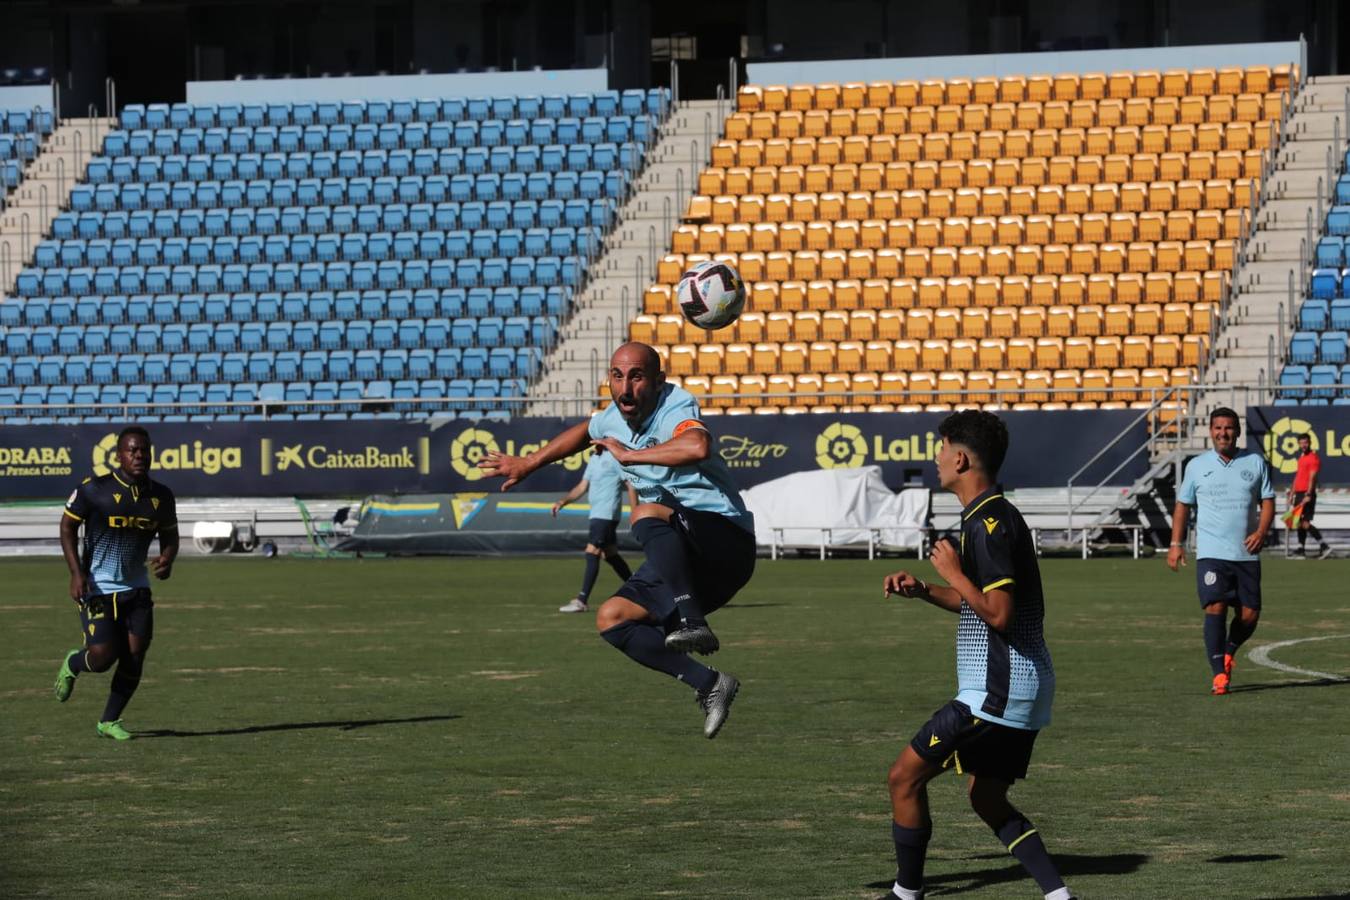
(616, 611)
(988, 798)
(100, 657)
(594, 550)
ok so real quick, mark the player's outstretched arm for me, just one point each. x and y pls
(516, 468)
(688, 447)
(1176, 553)
(70, 548)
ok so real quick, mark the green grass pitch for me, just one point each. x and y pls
(433, 728)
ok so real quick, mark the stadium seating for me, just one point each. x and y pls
(420, 253)
(1318, 354)
(1020, 241)
(21, 134)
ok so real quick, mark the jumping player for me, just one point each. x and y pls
(602, 484)
(1005, 677)
(697, 534)
(1232, 489)
(121, 513)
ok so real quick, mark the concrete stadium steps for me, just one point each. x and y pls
(59, 165)
(1281, 245)
(603, 310)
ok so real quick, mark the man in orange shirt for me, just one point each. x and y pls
(1304, 491)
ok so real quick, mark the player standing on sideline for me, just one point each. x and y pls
(1237, 505)
(1303, 492)
(602, 483)
(121, 513)
(1006, 682)
(698, 536)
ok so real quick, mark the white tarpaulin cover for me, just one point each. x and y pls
(848, 501)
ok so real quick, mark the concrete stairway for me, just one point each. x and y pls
(45, 190)
(1252, 348)
(602, 311)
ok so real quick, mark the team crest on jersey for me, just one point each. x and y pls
(1248, 475)
(154, 501)
(117, 498)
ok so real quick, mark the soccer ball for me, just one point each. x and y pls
(711, 295)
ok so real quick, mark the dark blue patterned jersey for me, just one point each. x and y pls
(1005, 677)
(120, 521)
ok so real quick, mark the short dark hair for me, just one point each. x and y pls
(130, 430)
(1306, 436)
(1223, 412)
(980, 432)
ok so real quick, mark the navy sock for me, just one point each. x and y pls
(911, 848)
(646, 644)
(616, 562)
(1238, 632)
(1022, 841)
(1302, 538)
(77, 663)
(666, 551)
(588, 580)
(124, 683)
(1214, 641)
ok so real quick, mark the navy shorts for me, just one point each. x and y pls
(1227, 581)
(111, 617)
(1309, 506)
(603, 532)
(954, 738)
(723, 558)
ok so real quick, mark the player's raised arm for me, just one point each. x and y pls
(690, 445)
(517, 468)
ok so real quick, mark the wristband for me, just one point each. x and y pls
(1176, 544)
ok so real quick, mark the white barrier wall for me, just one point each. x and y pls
(917, 68)
(26, 96)
(400, 87)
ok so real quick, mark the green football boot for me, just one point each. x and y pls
(65, 679)
(114, 730)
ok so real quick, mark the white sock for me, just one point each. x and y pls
(905, 893)
(1059, 894)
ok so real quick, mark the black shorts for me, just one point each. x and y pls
(1309, 508)
(723, 557)
(603, 532)
(955, 739)
(111, 617)
(1228, 581)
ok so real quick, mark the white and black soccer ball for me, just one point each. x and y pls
(711, 295)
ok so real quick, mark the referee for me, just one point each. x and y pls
(1303, 492)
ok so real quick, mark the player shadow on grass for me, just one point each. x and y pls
(1246, 858)
(340, 724)
(1069, 865)
(1281, 685)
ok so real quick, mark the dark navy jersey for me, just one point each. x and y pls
(1003, 677)
(120, 520)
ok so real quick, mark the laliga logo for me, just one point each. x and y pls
(472, 445)
(841, 446)
(1281, 443)
(105, 455)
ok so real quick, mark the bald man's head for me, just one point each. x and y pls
(635, 381)
(637, 353)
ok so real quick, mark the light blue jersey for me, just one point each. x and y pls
(605, 487)
(1229, 496)
(705, 486)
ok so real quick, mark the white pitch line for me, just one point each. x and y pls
(1261, 656)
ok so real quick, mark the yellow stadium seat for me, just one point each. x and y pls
(962, 353)
(821, 356)
(934, 354)
(905, 354)
(683, 359)
(792, 357)
(738, 359)
(806, 325)
(1077, 352)
(1036, 385)
(1021, 352)
(643, 329)
(891, 324)
(1166, 350)
(766, 357)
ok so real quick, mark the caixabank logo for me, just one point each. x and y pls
(473, 445)
(198, 455)
(277, 457)
(845, 446)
